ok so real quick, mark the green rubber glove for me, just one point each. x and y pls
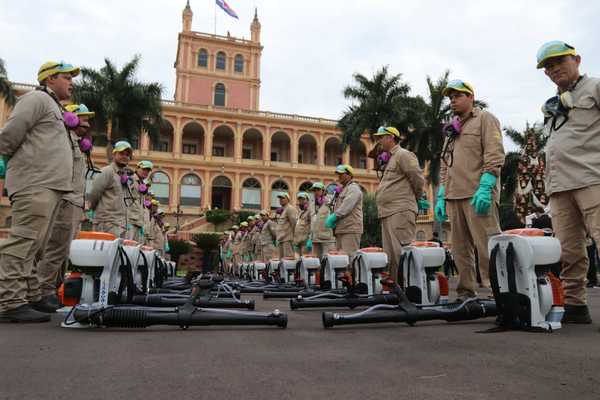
(308, 245)
(91, 214)
(482, 199)
(330, 221)
(142, 231)
(129, 227)
(167, 247)
(229, 253)
(276, 243)
(3, 162)
(440, 205)
(423, 204)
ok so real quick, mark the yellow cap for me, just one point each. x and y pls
(387, 130)
(284, 194)
(80, 110)
(50, 68)
(344, 169)
(459, 86)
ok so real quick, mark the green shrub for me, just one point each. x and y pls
(207, 240)
(243, 215)
(217, 216)
(178, 248)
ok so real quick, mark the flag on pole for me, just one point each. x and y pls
(223, 4)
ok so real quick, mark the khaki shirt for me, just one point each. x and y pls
(478, 149)
(77, 196)
(148, 231)
(286, 222)
(268, 233)
(237, 240)
(107, 197)
(319, 232)
(302, 229)
(348, 208)
(159, 237)
(573, 151)
(37, 144)
(135, 207)
(401, 185)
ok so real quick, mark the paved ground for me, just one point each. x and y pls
(428, 361)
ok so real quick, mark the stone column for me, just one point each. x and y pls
(208, 140)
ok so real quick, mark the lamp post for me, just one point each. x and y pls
(178, 213)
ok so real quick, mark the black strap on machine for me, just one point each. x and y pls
(126, 281)
(144, 270)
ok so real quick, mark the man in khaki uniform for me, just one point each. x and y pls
(70, 212)
(109, 191)
(39, 172)
(286, 217)
(470, 185)
(237, 248)
(572, 118)
(255, 242)
(302, 229)
(135, 211)
(347, 216)
(149, 220)
(158, 228)
(400, 189)
(250, 238)
(267, 236)
(321, 238)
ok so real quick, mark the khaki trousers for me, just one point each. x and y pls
(33, 210)
(267, 252)
(575, 213)
(349, 243)
(471, 231)
(285, 249)
(54, 258)
(397, 230)
(322, 248)
(134, 233)
(109, 227)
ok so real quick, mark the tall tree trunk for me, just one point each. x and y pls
(109, 147)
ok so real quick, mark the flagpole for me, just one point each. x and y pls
(215, 6)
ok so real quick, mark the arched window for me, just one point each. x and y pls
(190, 192)
(221, 60)
(219, 95)
(277, 188)
(203, 58)
(251, 194)
(160, 187)
(238, 65)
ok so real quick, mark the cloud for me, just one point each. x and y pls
(312, 47)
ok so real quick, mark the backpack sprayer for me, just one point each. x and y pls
(528, 295)
(362, 288)
(109, 271)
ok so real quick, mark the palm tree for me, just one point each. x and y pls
(6, 90)
(124, 106)
(376, 102)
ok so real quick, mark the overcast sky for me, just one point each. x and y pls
(312, 47)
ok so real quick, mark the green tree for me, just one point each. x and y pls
(376, 102)
(6, 90)
(178, 248)
(124, 106)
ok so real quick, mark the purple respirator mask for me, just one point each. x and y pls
(71, 120)
(85, 145)
(147, 203)
(453, 128)
(143, 188)
(279, 210)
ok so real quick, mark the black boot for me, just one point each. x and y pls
(47, 304)
(576, 314)
(24, 313)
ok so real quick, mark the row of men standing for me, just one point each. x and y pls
(45, 157)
